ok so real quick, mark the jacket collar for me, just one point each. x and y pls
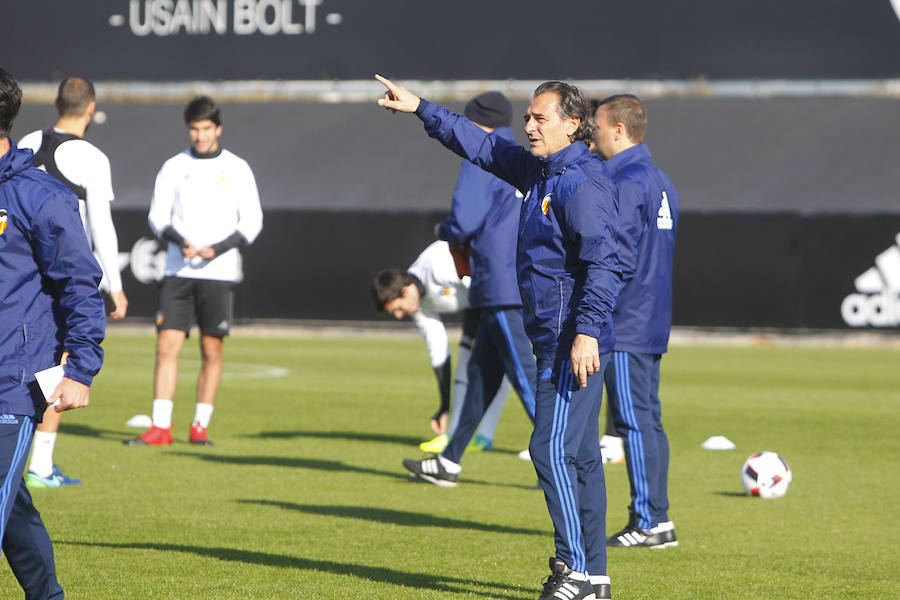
(634, 154)
(15, 161)
(558, 161)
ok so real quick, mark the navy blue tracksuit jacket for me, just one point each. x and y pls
(569, 273)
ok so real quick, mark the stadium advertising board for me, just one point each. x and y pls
(175, 40)
(761, 270)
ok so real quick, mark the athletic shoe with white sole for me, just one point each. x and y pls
(431, 470)
(602, 591)
(560, 586)
(435, 445)
(656, 538)
(480, 444)
(55, 480)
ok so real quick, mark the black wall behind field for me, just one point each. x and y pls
(459, 39)
(761, 270)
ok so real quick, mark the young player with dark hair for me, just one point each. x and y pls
(568, 276)
(48, 298)
(62, 152)
(648, 222)
(206, 206)
(429, 288)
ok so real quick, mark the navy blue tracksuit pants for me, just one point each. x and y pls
(26, 544)
(565, 450)
(632, 384)
(500, 347)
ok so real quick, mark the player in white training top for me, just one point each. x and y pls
(61, 152)
(206, 206)
(429, 288)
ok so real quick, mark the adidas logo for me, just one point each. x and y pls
(569, 591)
(632, 538)
(9, 420)
(430, 466)
(877, 301)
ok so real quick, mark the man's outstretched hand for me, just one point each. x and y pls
(397, 97)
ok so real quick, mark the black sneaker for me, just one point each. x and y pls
(560, 586)
(602, 591)
(430, 469)
(657, 538)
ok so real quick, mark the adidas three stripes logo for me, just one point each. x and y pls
(877, 301)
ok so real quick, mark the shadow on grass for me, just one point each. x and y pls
(354, 436)
(412, 580)
(398, 517)
(321, 465)
(88, 431)
(295, 462)
(359, 436)
(734, 494)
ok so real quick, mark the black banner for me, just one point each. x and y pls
(174, 40)
(731, 270)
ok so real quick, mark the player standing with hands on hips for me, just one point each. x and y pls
(648, 222)
(49, 304)
(568, 276)
(206, 206)
(62, 152)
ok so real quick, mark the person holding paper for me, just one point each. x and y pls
(49, 304)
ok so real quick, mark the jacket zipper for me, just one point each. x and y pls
(559, 314)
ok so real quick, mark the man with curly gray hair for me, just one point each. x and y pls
(569, 276)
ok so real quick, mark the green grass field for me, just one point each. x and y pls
(303, 495)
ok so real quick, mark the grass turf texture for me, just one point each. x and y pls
(303, 495)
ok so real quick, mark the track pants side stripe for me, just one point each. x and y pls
(527, 395)
(635, 440)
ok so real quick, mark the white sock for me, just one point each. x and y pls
(162, 413)
(449, 465)
(579, 576)
(202, 414)
(42, 453)
(599, 579)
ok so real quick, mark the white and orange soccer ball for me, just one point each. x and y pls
(766, 475)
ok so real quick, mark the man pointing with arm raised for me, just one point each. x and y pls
(568, 275)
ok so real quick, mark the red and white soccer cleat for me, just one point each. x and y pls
(155, 436)
(198, 435)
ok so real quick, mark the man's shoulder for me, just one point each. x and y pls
(32, 140)
(588, 169)
(84, 152)
(233, 158)
(179, 161)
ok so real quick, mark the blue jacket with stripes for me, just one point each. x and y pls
(484, 218)
(568, 269)
(49, 301)
(648, 223)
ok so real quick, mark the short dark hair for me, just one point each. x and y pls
(74, 96)
(202, 108)
(388, 285)
(571, 105)
(628, 110)
(10, 102)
